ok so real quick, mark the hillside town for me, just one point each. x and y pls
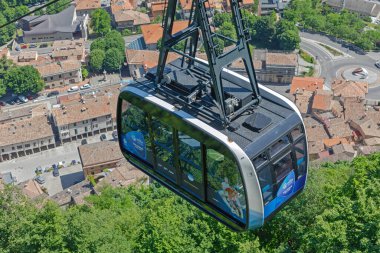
(75, 108)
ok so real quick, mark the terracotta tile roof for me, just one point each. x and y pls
(56, 68)
(367, 127)
(354, 108)
(322, 100)
(87, 4)
(153, 32)
(23, 112)
(367, 150)
(25, 130)
(123, 175)
(306, 83)
(138, 18)
(344, 88)
(315, 130)
(31, 189)
(99, 153)
(315, 147)
(120, 5)
(334, 141)
(338, 127)
(73, 194)
(344, 148)
(158, 6)
(27, 56)
(303, 100)
(67, 48)
(244, 2)
(146, 57)
(336, 108)
(186, 4)
(375, 141)
(77, 112)
(281, 59)
(374, 115)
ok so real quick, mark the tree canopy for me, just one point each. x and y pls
(100, 21)
(338, 212)
(23, 79)
(107, 52)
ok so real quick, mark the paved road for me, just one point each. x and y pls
(23, 168)
(331, 66)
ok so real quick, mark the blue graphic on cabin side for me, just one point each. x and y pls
(134, 142)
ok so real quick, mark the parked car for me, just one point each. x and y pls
(377, 64)
(39, 169)
(33, 46)
(85, 87)
(32, 96)
(114, 135)
(72, 89)
(43, 45)
(2, 103)
(103, 137)
(73, 162)
(53, 93)
(83, 142)
(11, 102)
(24, 46)
(55, 170)
(23, 99)
(40, 179)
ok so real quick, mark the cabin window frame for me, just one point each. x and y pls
(151, 109)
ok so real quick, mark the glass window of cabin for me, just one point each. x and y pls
(190, 160)
(296, 133)
(224, 184)
(282, 167)
(266, 183)
(163, 142)
(299, 149)
(134, 132)
(279, 146)
(260, 161)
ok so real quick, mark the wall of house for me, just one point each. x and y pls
(95, 169)
(85, 128)
(63, 79)
(47, 37)
(26, 148)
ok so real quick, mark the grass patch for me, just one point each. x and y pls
(331, 50)
(306, 57)
(309, 72)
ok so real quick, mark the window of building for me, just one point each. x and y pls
(27, 145)
(75, 124)
(51, 78)
(76, 131)
(60, 76)
(2, 150)
(95, 119)
(13, 148)
(19, 147)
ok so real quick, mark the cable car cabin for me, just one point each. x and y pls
(241, 175)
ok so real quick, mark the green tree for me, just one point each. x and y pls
(97, 57)
(222, 17)
(23, 79)
(227, 29)
(263, 30)
(57, 7)
(99, 43)
(100, 21)
(114, 40)
(113, 60)
(126, 32)
(3, 88)
(84, 73)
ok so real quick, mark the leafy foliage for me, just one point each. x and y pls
(97, 57)
(338, 212)
(101, 21)
(23, 79)
(113, 60)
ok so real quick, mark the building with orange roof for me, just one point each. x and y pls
(334, 141)
(153, 32)
(140, 61)
(86, 117)
(322, 100)
(63, 73)
(157, 9)
(347, 88)
(306, 83)
(130, 19)
(120, 5)
(84, 7)
(243, 4)
(186, 7)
